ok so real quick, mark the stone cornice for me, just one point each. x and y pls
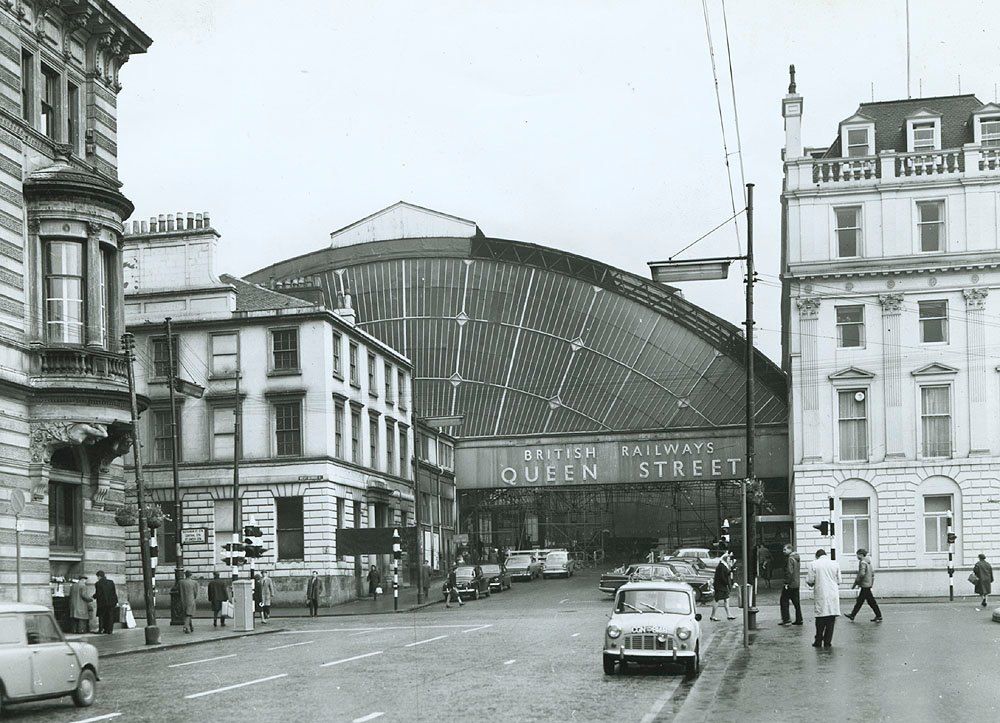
(894, 266)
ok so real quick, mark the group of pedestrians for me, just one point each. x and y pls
(105, 599)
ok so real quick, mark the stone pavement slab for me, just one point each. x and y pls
(133, 640)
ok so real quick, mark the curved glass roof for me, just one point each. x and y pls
(527, 340)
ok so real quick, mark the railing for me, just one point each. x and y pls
(79, 362)
(845, 169)
(927, 164)
(989, 159)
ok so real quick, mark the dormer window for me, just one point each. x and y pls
(990, 132)
(923, 132)
(857, 142)
(923, 136)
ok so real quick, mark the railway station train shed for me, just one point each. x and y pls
(600, 411)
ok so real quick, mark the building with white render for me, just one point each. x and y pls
(891, 269)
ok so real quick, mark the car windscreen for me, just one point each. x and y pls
(556, 559)
(465, 573)
(491, 569)
(651, 601)
(518, 561)
(11, 629)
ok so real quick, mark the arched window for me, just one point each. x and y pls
(938, 499)
(857, 512)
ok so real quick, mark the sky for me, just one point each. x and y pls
(591, 126)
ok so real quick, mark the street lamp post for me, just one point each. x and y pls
(718, 268)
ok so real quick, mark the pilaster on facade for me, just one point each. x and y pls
(809, 370)
(892, 372)
(978, 359)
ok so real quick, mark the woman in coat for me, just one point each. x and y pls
(189, 596)
(984, 572)
(722, 583)
(374, 581)
(267, 593)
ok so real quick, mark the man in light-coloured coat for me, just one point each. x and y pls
(79, 605)
(824, 578)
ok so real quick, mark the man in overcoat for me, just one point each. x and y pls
(106, 597)
(79, 605)
(189, 594)
(313, 589)
(824, 578)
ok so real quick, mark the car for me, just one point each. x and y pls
(470, 581)
(653, 621)
(498, 576)
(523, 566)
(558, 562)
(37, 662)
(702, 582)
(708, 556)
(611, 581)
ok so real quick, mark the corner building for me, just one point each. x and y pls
(600, 411)
(891, 255)
(63, 392)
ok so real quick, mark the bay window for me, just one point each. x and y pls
(64, 292)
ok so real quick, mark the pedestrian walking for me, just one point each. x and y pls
(425, 578)
(312, 594)
(723, 584)
(374, 582)
(257, 595)
(267, 593)
(864, 580)
(189, 594)
(106, 597)
(79, 605)
(218, 593)
(983, 573)
(451, 588)
(790, 588)
(824, 578)
(764, 564)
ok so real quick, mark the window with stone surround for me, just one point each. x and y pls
(933, 321)
(338, 343)
(161, 357)
(848, 231)
(65, 292)
(387, 379)
(225, 354)
(356, 436)
(27, 84)
(73, 116)
(341, 522)
(924, 136)
(852, 423)
(930, 225)
(338, 429)
(851, 326)
(290, 528)
(65, 516)
(404, 453)
(390, 446)
(857, 142)
(161, 424)
(401, 389)
(989, 129)
(855, 521)
(288, 428)
(373, 442)
(285, 350)
(372, 388)
(936, 511)
(223, 432)
(935, 421)
(223, 517)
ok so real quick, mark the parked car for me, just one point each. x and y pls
(701, 581)
(523, 567)
(709, 557)
(653, 621)
(37, 662)
(470, 581)
(558, 562)
(611, 581)
(498, 576)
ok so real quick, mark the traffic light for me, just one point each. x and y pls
(253, 539)
(234, 560)
(824, 528)
(951, 538)
(252, 531)
(724, 538)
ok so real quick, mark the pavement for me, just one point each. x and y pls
(125, 641)
(532, 653)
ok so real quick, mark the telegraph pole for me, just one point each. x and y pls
(152, 631)
(176, 618)
(237, 445)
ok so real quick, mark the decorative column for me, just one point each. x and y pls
(35, 283)
(980, 388)
(93, 289)
(895, 442)
(808, 385)
(116, 301)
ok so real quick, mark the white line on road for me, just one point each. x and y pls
(361, 632)
(564, 600)
(237, 685)
(381, 627)
(370, 716)
(292, 645)
(421, 642)
(575, 635)
(348, 660)
(510, 662)
(203, 660)
(660, 702)
(481, 627)
(99, 717)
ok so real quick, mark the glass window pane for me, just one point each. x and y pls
(937, 503)
(930, 212)
(930, 534)
(847, 217)
(858, 506)
(223, 521)
(850, 541)
(861, 537)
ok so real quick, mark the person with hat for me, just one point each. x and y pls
(79, 605)
(106, 597)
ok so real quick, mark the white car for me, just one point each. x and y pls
(653, 622)
(558, 562)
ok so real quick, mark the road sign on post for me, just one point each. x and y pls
(17, 504)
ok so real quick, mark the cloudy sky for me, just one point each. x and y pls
(587, 125)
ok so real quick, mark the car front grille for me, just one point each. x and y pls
(646, 642)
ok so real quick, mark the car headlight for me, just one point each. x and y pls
(661, 638)
(614, 631)
(683, 633)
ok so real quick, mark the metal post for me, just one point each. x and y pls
(951, 558)
(416, 517)
(237, 444)
(176, 618)
(749, 420)
(152, 632)
(396, 555)
(17, 554)
(833, 536)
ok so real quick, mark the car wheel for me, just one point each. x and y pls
(86, 689)
(693, 665)
(609, 665)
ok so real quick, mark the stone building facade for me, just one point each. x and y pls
(327, 438)
(65, 408)
(891, 271)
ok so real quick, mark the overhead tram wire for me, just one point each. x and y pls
(736, 110)
(722, 124)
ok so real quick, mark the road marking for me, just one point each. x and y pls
(575, 635)
(421, 642)
(510, 662)
(564, 600)
(370, 716)
(292, 645)
(237, 685)
(203, 660)
(481, 627)
(386, 627)
(99, 717)
(348, 660)
(361, 632)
